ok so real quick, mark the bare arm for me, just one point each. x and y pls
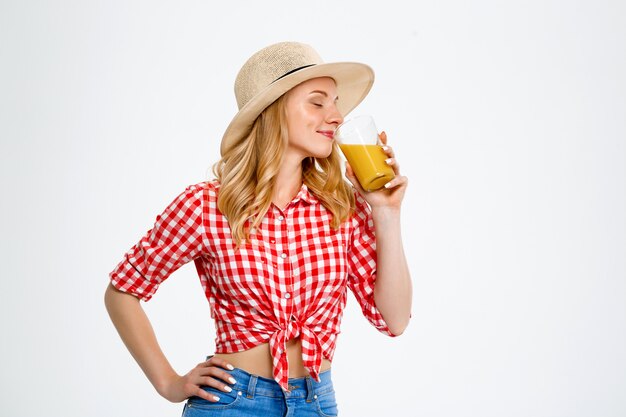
(393, 291)
(136, 332)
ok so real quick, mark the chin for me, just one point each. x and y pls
(322, 154)
(318, 150)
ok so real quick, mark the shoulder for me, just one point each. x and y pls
(207, 185)
(198, 195)
(203, 190)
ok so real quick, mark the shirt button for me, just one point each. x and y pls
(287, 295)
(281, 218)
(283, 255)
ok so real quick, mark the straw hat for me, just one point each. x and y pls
(276, 69)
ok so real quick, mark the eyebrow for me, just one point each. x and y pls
(324, 93)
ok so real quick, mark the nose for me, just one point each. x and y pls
(334, 116)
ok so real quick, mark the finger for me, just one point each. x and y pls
(397, 182)
(216, 372)
(383, 137)
(205, 395)
(212, 382)
(388, 150)
(392, 162)
(213, 361)
(349, 172)
(352, 178)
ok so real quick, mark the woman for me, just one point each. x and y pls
(277, 239)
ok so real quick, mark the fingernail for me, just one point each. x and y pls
(388, 185)
(229, 366)
(216, 398)
(385, 148)
(388, 161)
(227, 388)
(232, 380)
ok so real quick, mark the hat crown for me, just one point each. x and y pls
(270, 64)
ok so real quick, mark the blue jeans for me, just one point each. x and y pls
(254, 395)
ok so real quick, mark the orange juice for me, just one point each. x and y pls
(368, 164)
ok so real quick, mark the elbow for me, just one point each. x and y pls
(115, 299)
(107, 296)
(397, 333)
(396, 329)
(110, 299)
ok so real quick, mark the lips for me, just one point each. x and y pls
(328, 133)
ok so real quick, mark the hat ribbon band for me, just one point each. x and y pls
(291, 72)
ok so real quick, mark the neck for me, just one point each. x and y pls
(288, 182)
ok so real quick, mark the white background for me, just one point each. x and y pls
(508, 119)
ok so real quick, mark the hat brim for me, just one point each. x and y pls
(354, 80)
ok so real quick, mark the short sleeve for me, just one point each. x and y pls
(175, 239)
(362, 265)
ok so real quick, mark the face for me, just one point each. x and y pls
(312, 117)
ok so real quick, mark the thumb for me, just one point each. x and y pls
(352, 178)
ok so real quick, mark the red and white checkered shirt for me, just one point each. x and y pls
(289, 281)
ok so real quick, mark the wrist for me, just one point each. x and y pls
(164, 383)
(386, 214)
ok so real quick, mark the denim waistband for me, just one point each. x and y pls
(305, 387)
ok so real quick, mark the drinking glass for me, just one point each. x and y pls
(358, 140)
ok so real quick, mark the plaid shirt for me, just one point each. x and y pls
(289, 281)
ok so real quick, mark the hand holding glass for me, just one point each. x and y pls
(358, 140)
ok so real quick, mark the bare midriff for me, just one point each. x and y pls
(258, 360)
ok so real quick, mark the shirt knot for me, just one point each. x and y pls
(311, 351)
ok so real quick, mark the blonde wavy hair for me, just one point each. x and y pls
(247, 173)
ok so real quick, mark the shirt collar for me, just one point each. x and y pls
(305, 195)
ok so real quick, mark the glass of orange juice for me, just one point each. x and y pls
(358, 140)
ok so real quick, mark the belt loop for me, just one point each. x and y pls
(251, 386)
(310, 391)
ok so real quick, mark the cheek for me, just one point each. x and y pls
(296, 129)
(301, 122)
